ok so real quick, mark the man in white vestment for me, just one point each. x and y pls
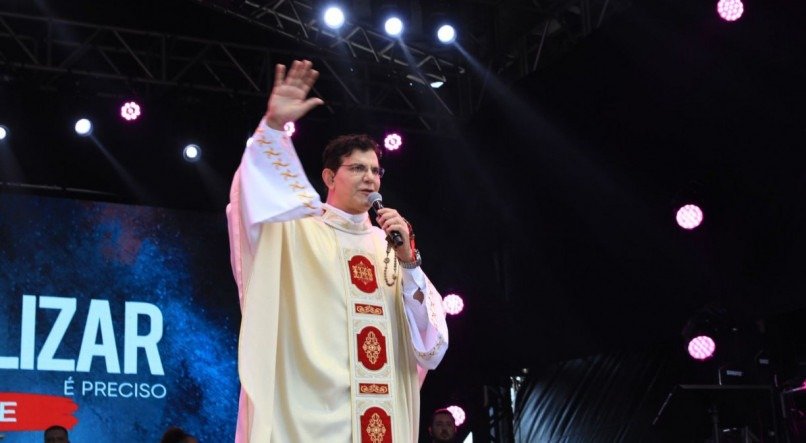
(339, 326)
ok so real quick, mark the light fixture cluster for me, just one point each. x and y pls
(334, 18)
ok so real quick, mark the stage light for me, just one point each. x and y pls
(392, 142)
(83, 127)
(130, 111)
(689, 216)
(334, 17)
(730, 10)
(3, 132)
(701, 347)
(453, 304)
(437, 84)
(192, 153)
(289, 128)
(707, 326)
(446, 34)
(393, 26)
(458, 413)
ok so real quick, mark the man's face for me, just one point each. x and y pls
(56, 436)
(349, 190)
(443, 428)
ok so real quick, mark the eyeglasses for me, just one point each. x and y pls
(361, 169)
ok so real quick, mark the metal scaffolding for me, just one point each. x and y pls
(56, 53)
(362, 71)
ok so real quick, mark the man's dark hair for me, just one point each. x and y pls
(57, 428)
(174, 435)
(344, 145)
(440, 412)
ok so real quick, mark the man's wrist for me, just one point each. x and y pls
(418, 260)
(273, 124)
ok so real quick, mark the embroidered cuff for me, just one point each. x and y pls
(413, 279)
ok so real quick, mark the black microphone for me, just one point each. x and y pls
(376, 201)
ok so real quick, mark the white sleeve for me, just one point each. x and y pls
(414, 280)
(273, 185)
(429, 342)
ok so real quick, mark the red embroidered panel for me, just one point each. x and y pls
(371, 348)
(376, 426)
(362, 274)
(373, 388)
(361, 308)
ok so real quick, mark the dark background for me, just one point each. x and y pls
(550, 209)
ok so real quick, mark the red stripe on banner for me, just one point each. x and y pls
(35, 412)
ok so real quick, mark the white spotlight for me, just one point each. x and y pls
(393, 26)
(290, 129)
(446, 34)
(192, 153)
(437, 84)
(3, 132)
(334, 17)
(83, 127)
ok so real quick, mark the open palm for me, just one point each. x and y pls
(288, 102)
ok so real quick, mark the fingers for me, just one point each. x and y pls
(310, 78)
(296, 73)
(279, 75)
(300, 74)
(389, 219)
(312, 103)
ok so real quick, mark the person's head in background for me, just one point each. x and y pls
(177, 435)
(56, 434)
(443, 426)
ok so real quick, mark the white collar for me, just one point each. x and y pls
(355, 218)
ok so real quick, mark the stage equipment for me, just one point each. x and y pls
(499, 410)
(703, 331)
(458, 413)
(83, 127)
(393, 26)
(453, 304)
(689, 216)
(192, 153)
(446, 34)
(730, 10)
(727, 413)
(130, 111)
(334, 17)
(393, 141)
(3, 132)
(701, 347)
(290, 128)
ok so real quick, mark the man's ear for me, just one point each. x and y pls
(328, 177)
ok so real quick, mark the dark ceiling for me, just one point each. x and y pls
(548, 202)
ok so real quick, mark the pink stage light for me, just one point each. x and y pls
(290, 129)
(130, 111)
(458, 413)
(393, 142)
(730, 10)
(689, 216)
(701, 347)
(453, 304)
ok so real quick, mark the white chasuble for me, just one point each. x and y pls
(328, 350)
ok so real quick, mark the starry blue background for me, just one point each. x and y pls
(176, 260)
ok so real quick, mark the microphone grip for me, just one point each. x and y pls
(397, 239)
